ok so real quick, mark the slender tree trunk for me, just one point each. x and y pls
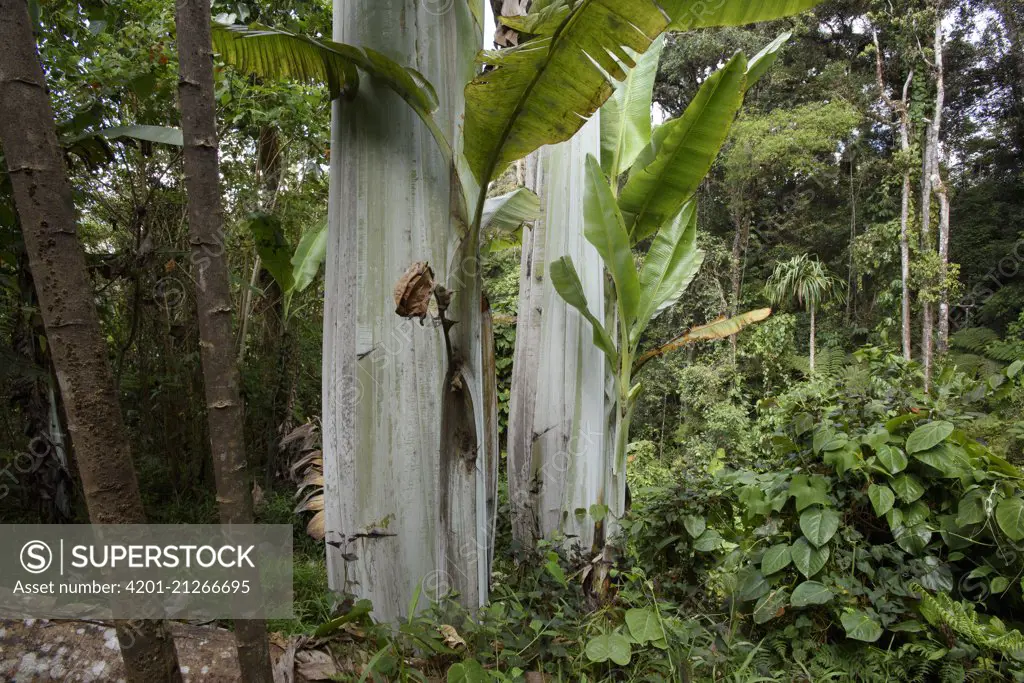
(1012, 14)
(42, 196)
(902, 109)
(813, 322)
(940, 186)
(905, 258)
(850, 290)
(927, 322)
(213, 297)
(410, 443)
(269, 168)
(558, 419)
(739, 247)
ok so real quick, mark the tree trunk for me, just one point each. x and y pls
(1012, 16)
(905, 269)
(940, 186)
(558, 416)
(269, 168)
(410, 440)
(739, 248)
(224, 407)
(813, 321)
(927, 323)
(42, 196)
(850, 286)
(902, 109)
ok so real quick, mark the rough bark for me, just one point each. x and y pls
(224, 406)
(558, 415)
(409, 431)
(42, 196)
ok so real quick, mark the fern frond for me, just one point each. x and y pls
(973, 339)
(961, 618)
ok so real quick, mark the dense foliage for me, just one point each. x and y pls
(801, 508)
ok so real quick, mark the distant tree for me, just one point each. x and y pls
(807, 280)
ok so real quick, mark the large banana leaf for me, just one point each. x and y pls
(671, 264)
(161, 134)
(568, 285)
(719, 329)
(672, 167)
(308, 257)
(508, 212)
(540, 21)
(605, 229)
(273, 249)
(764, 59)
(690, 14)
(685, 14)
(542, 91)
(626, 116)
(280, 55)
(270, 53)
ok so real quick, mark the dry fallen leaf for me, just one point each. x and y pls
(315, 665)
(413, 291)
(451, 637)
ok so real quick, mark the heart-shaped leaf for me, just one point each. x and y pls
(907, 487)
(913, 539)
(770, 606)
(644, 625)
(810, 593)
(892, 458)
(710, 540)
(607, 646)
(695, 525)
(928, 435)
(882, 498)
(1010, 516)
(775, 559)
(807, 559)
(860, 625)
(469, 671)
(819, 525)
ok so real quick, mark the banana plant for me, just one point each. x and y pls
(657, 198)
(294, 271)
(539, 93)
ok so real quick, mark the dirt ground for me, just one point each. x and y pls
(38, 650)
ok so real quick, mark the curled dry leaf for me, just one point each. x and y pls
(413, 291)
(451, 637)
(316, 527)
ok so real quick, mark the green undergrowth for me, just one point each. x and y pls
(873, 533)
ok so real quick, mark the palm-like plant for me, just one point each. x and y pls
(808, 281)
(581, 53)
